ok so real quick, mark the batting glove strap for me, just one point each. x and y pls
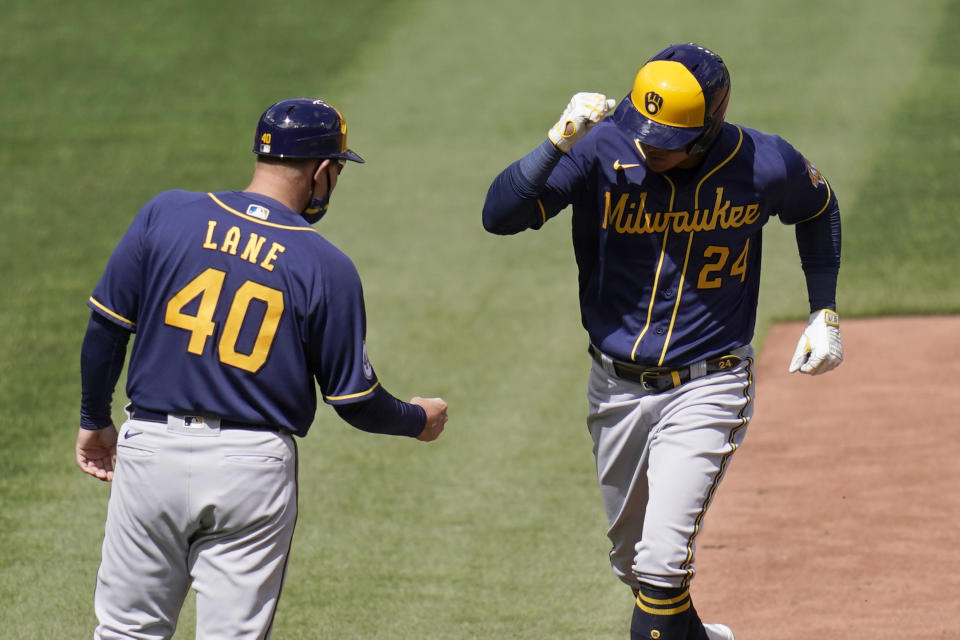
(584, 111)
(819, 349)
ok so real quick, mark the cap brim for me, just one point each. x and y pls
(653, 133)
(350, 155)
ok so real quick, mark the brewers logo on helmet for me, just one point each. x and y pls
(679, 99)
(303, 128)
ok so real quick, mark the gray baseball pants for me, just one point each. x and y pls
(196, 506)
(660, 458)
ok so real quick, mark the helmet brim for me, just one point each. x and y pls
(350, 155)
(655, 134)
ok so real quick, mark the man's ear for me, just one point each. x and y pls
(322, 167)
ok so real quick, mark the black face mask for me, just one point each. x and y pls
(316, 209)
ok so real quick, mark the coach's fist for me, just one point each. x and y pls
(584, 111)
(436, 410)
(819, 349)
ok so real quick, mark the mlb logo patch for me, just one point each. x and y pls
(256, 211)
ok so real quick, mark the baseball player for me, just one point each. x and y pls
(668, 206)
(238, 306)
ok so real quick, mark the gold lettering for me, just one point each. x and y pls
(658, 222)
(208, 243)
(616, 217)
(735, 219)
(640, 220)
(698, 220)
(629, 217)
(275, 250)
(680, 221)
(251, 252)
(626, 225)
(230, 241)
(719, 206)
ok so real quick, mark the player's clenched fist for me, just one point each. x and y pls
(584, 111)
(819, 349)
(436, 410)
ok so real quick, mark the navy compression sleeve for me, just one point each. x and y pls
(510, 205)
(383, 413)
(101, 361)
(818, 242)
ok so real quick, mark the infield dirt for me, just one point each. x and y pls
(839, 515)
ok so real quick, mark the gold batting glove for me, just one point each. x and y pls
(584, 111)
(819, 349)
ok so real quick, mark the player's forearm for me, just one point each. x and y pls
(383, 413)
(818, 242)
(101, 362)
(511, 204)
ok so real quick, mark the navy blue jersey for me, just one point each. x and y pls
(237, 305)
(669, 264)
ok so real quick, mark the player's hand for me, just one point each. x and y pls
(584, 111)
(819, 349)
(97, 452)
(436, 410)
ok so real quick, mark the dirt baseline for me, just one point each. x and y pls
(839, 515)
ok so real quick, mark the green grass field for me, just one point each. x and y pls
(496, 531)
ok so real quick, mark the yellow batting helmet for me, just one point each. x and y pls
(679, 99)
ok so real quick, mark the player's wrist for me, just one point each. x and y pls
(94, 423)
(423, 421)
(827, 314)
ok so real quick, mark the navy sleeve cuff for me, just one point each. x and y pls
(382, 413)
(535, 167)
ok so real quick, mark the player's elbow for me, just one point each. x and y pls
(490, 219)
(496, 220)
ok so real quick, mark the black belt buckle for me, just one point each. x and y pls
(645, 379)
(659, 381)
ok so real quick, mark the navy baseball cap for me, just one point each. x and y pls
(303, 128)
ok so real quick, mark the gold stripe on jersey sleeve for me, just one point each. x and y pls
(825, 205)
(252, 219)
(97, 304)
(350, 396)
(543, 212)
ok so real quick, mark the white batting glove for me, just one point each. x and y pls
(584, 111)
(819, 349)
